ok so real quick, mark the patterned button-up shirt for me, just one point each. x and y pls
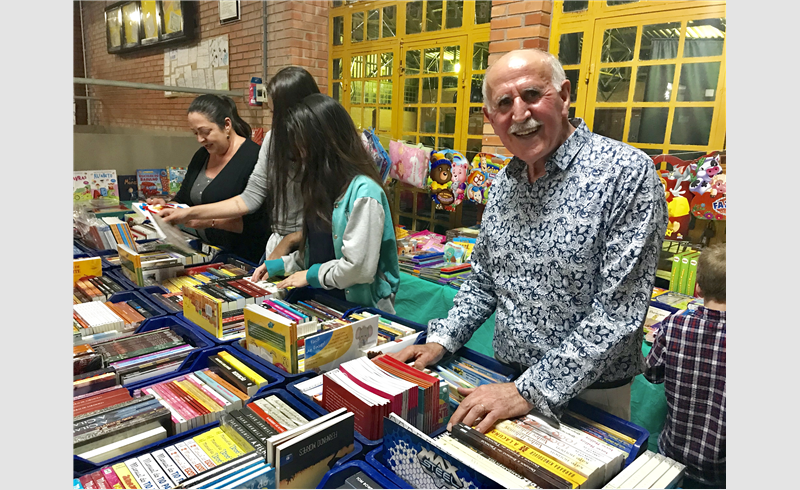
(688, 356)
(568, 262)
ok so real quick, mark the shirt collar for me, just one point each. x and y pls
(711, 315)
(564, 154)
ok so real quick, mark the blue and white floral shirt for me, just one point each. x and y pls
(568, 262)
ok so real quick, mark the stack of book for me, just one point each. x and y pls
(202, 396)
(119, 429)
(454, 276)
(677, 300)
(526, 452)
(218, 305)
(92, 381)
(97, 400)
(458, 372)
(121, 233)
(137, 357)
(94, 289)
(373, 389)
(242, 452)
(85, 359)
(414, 262)
(465, 231)
(650, 470)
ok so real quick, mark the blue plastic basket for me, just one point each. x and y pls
(640, 434)
(155, 309)
(402, 321)
(375, 458)
(116, 274)
(335, 478)
(196, 336)
(306, 293)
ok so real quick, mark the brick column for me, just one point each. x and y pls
(515, 25)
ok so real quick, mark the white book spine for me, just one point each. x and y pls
(192, 458)
(141, 475)
(627, 472)
(656, 473)
(671, 477)
(172, 470)
(487, 466)
(641, 473)
(159, 476)
(186, 468)
(201, 455)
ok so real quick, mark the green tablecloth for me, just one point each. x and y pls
(419, 300)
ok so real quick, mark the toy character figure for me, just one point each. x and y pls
(718, 185)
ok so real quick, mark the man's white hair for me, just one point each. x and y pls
(557, 78)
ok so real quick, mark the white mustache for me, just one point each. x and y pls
(524, 126)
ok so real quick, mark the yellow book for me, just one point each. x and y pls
(198, 395)
(125, 476)
(203, 441)
(88, 267)
(618, 435)
(242, 368)
(203, 310)
(543, 460)
(271, 337)
(236, 439)
(224, 442)
(131, 264)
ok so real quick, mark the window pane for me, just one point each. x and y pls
(572, 76)
(355, 114)
(687, 155)
(405, 221)
(406, 202)
(480, 55)
(618, 44)
(373, 24)
(609, 122)
(433, 16)
(483, 12)
(427, 120)
(698, 82)
(411, 91)
(473, 146)
(337, 69)
(445, 143)
(430, 90)
(475, 121)
(357, 88)
(386, 64)
(455, 13)
(660, 41)
(412, 62)
(338, 30)
(337, 91)
(338, 3)
(385, 119)
(371, 65)
(476, 90)
(370, 119)
(654, 83)
(571, 112)
(389, 21)
(428, 141)
(411, 139)
(386, 91)
(691, 125)
(423, 204)
(413, 17)
(575, 6)
(451, 59)
(613, 84)
(370, 92)
(653, 151)
(611, 3)
(704, 38)
(409, 122)
(357, 67)
(357, 23)
(431, 62)
(449, 90)
(648, 125)
(570, 47)
(447, 120)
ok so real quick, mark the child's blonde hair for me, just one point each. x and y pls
(711, 272)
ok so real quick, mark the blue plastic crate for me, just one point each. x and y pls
(640, 434)
(148, 291)
(229, 258)
(402, 321)
(156, 310)
(82, 466)
(120, 278)
(335, 478)
(475, 356)
(375, 458)
(196, 336)
(306, 293)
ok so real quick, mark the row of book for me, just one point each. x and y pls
(650, 470)
(243, 451)
(526, 452)
(92, 317)
(459, 372)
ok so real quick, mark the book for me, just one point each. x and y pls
(152, 182)
(691, 275)
(176, 176)
(125, 476)
(203, 310)
(271, 337)
(100, 186)
(506, 477)
(128, 188)
(302, 460)
(360, 480)
(126, 445)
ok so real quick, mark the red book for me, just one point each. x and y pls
(264, 415)
(396, 400)
(368, 420)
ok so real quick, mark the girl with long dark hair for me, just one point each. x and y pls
(348, 245)
(289, 86)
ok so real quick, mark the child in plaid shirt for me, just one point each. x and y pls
(688, 356)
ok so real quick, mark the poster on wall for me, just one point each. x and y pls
(204, 65)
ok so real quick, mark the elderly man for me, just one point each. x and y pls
(567, 255)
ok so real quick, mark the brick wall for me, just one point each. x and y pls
(297, 35)
(77, 63)
(515, 25)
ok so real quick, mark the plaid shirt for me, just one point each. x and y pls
(688, 355)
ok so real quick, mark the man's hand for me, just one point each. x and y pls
(489, 403)
(176, 216)
(296, 280)
(424, 354)
(153, 201)
(260, 273)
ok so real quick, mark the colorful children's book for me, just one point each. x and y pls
(128, 188)
(271, 337)
(176, 175)
(95, 185)
(152, 182)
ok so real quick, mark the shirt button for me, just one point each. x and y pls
(335, 237)
(347, 291)
(336, 205)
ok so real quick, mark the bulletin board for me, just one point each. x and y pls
(204, 65)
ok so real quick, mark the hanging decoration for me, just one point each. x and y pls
(485, 167)
(409, 163)
(447, 178)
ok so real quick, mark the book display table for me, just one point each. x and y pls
(419, 300)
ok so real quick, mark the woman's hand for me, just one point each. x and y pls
(260, 273)
(198, 224)
(156, 200)
(176, 216)
(296, 280)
